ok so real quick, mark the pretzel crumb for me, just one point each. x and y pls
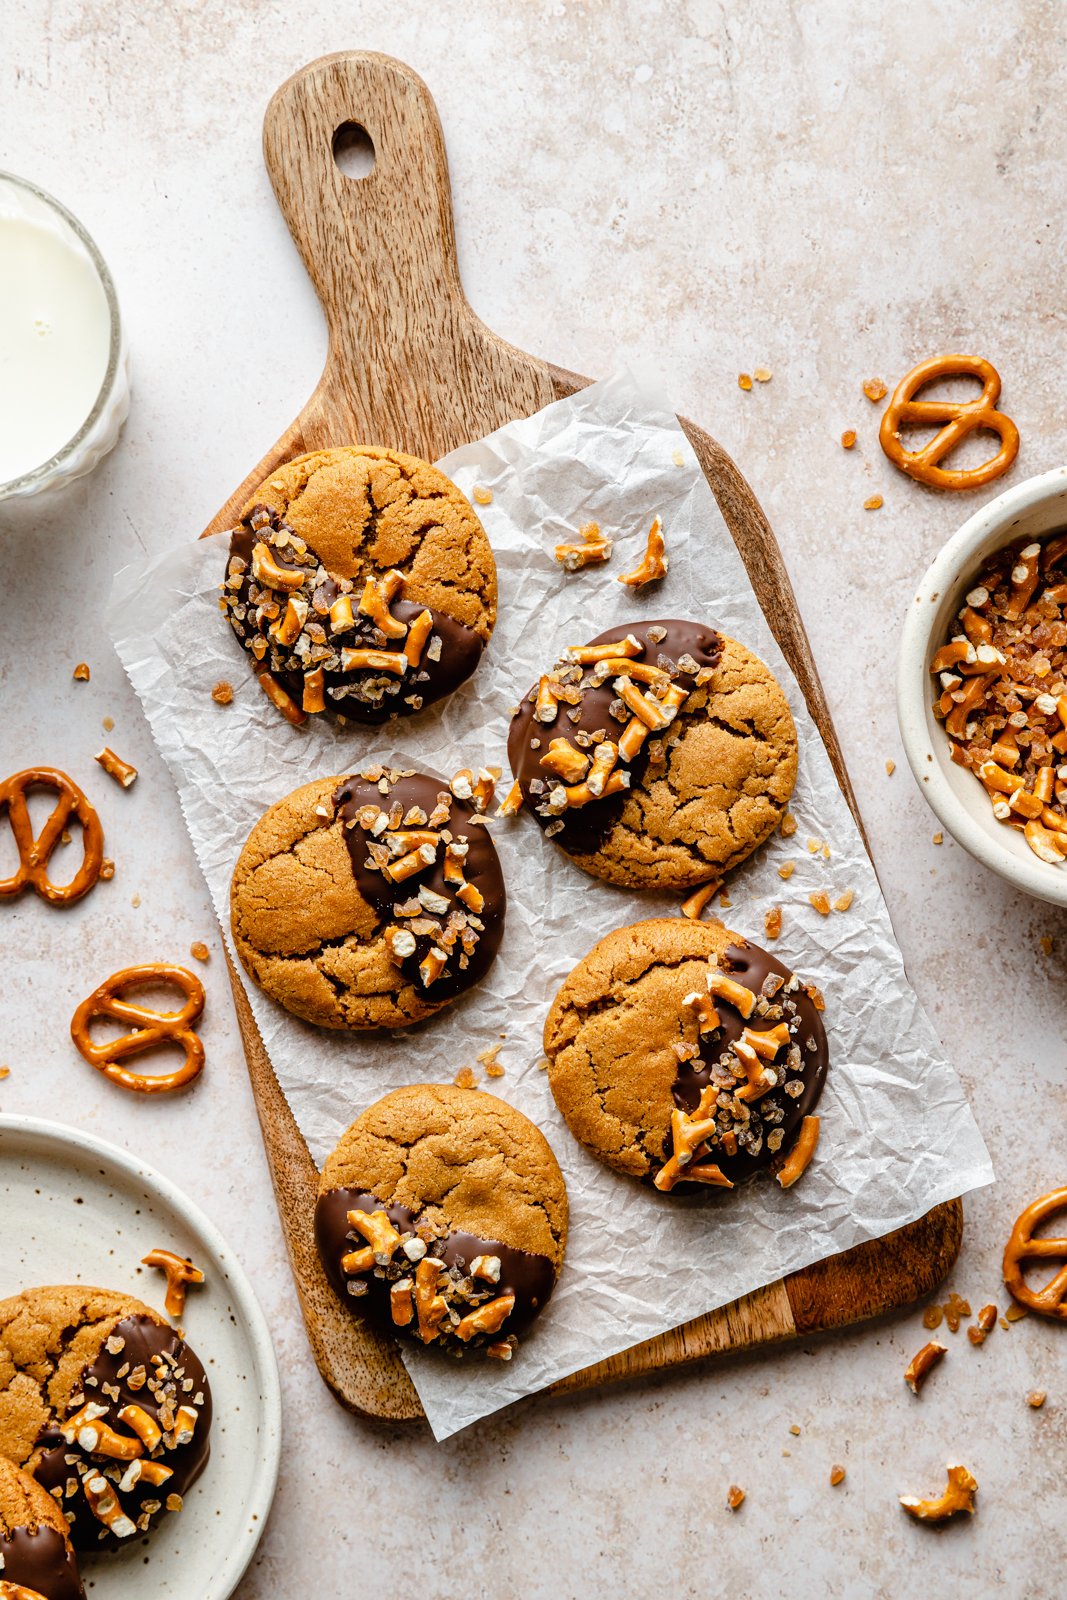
(939, 838)
(81, 672)
(199, 951)
(653, 564)
(744, 381)
(736, 1495)
(933, 1317)
(762, 374)
(787, 869)
(843, 901)
(923, 1363)
(465, 1078)
(875, 389)
(873, 502)
(107, 868)
(1016, 1313)
(135, 901)
(814, 846)
(788, 825)
(956, 1308)
(821, 901)
(724, 900)
(890, 768)
(985, 1322)
(1036, 1399)
(222, 693)
(107, 723)
(794, 1428)
(772, 922)
(482, 497)
(5, 1073)
(694, 905)
(1046, 944)
(837, 1475)
(594, 549)
(848, 439)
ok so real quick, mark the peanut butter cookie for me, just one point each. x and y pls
(362, 582)
(35, 1553)
(680, 1053)
(105, 1404)
(370, 901)
(658, 756)
(442, 1215)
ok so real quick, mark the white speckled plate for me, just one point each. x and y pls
(77, 1210)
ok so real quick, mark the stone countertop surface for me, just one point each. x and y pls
(832, 192)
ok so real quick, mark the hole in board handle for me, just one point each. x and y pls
(353, 150)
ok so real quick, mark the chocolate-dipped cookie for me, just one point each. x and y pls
(105, 1405)
(682, 1054)
(658, 756)
(361, 582)
(442, 1216)
(36, 1555)
(370, 901)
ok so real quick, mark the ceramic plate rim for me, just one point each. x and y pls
(264, 1481)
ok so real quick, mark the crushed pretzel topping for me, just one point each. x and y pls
(985, 1322)
(955, 1308)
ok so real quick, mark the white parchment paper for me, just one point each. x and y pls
(897, 1135)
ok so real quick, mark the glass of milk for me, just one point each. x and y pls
(64, 372)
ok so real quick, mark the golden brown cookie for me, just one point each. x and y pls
(673, 1028)
(362, 581)
(658, 756)
(102, 1401)
(337, 916)
(442, 1215)
(35, 1551)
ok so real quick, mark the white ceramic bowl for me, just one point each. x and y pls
(1029, 510)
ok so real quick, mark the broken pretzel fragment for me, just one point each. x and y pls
(958, 1496)
(594, 549)
(923, 1363)
(115, 767)
(179, 1272)
(799, 1158)
(654, 564)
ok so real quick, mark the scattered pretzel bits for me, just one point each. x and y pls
(179, 1272)
(873, 503)
(890, 768)
(959, 1496)
(655, 562)
(788, 825)
(116, 768)
(933, 1317)
(222, 693)
(81, 672)
(985, 1322)
(799, 1158)
(848, 439)
(694, 905)
(837, 1476)
(735, 1497)
(922, 1364)
(744, 381)
(955, 1309)
(594, 549)
(482, 497)
(821, 901)
(465, 1078)
(762, 374)
(772, 922)
(199, 951)
(875, 389)
(1036, 1399)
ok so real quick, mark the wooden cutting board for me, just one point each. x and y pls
(411, 367)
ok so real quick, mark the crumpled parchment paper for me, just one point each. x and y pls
(897, 1135)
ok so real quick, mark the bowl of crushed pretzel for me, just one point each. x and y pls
(982, 686)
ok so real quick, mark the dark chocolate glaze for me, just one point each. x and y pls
(750, 965)
(481, 868)
(585, 828)
(530, 1278)
(143, 1339)
(39, 1560)
(461, 650)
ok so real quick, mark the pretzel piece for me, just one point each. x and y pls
(1023, 1246)
(34, 852)
(148, 1028)
(956, 420)
(654, 563)
(798, 1160)
(179, 1271)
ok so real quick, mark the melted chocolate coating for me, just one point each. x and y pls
(40, 1560)
(586, 827)
(750, 966)
(530, 1278)
(481, 868)
(461, 649)
(142, 1339)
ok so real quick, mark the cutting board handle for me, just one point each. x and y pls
(381, 251)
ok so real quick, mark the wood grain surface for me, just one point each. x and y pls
(410, 366)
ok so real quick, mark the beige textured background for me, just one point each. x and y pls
(831, 190)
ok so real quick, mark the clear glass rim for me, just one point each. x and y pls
(26, 480)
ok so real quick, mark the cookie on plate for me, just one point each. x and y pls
(362, 582)
(370, 901)
(105, 1404)
(682, 1054)
(442, 1215)
(658, 756)
(36, 1556)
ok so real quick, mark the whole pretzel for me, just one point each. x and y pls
(959, 419)
(1051, 1301)
(34, 853)
(149, 1028)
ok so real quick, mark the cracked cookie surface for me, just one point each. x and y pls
(314, 922)
(35, 1551)
(625, 1053)
(355, 550)
(696, 795)
(462, 1177)
(76, 1352)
